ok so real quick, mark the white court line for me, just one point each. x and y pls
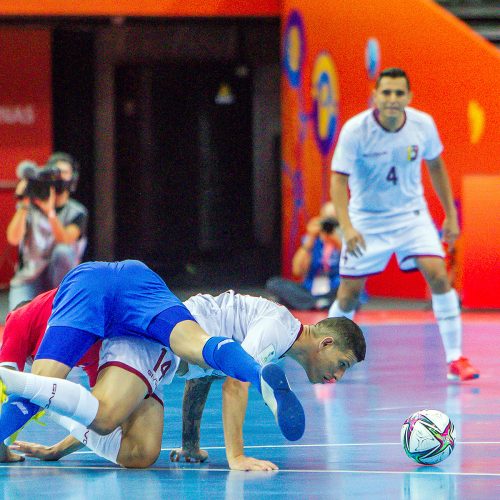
(390, 408)
(295, 471)
(328, 445)
(320, 445)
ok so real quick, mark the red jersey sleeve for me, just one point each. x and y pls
(14, 350)
(24, 330)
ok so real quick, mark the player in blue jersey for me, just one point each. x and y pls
(378, 157)
(99, 300)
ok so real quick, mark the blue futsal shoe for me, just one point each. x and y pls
(282, 402)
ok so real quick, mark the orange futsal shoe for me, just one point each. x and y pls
(461, 369)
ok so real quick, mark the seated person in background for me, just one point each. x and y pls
(316, 262)
(48, 226)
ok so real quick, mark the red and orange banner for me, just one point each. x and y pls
(25, 115)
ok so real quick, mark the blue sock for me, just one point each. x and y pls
(15, 413)
(229, 357)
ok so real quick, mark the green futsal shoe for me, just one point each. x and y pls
(3, 394)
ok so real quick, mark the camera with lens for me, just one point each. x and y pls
(40, 180)
(329, 224)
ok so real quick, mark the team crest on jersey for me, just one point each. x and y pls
(412, 152)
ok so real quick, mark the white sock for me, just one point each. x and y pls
(63, 396)
(446, 309)
(336, 312)
(106, 447)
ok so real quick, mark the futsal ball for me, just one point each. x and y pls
(428, 436)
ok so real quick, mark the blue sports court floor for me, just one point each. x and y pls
(351, 446)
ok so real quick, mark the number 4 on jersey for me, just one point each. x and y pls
(392, 176)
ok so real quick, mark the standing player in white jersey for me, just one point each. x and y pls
(266, 330)
(378, 157)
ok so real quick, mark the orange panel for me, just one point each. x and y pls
(481, 241)
(167, 8)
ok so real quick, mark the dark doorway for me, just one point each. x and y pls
(73, 55)
(184, 170)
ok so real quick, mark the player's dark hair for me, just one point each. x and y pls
(345, 333)
(393, 73)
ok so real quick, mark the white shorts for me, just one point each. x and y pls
(151, 361)
(421, 239)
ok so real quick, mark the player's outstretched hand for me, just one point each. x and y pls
(35, 450)
(191, 456)
(6, 456)
(243, 462)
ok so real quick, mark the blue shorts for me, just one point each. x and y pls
(106, 299)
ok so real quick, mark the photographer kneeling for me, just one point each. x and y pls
(316, 262)
(48, 226)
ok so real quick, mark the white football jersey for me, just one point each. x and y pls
(384, 168)
(266, 330)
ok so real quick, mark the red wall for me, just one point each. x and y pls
(481, 241)
(455, 77)
(25, 117)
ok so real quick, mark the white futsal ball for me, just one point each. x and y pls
(428, 436)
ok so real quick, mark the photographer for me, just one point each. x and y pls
(316, 262)
(48, 226)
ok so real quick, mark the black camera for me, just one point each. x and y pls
(329, 224)
(40, 180)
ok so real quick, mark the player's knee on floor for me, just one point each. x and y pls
(139, 455)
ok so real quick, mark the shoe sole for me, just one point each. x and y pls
(284, 404)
